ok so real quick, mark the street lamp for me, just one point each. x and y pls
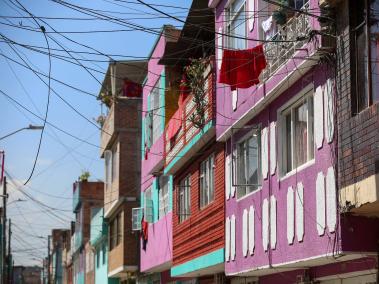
(30, 127)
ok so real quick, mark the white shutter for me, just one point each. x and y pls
(299, 197)
(228, 183)
(234, 173)
(319, 117)
(329, 110)
(251, 230)
(272, 147)
(234, 99)
(233, 238)
(264, 139)
(219, 48)
(227, 239)
(320, 203)
(331, 200)
(273, 222)
(265, 224)
(245, 232)
(290, 216)
(251, 14)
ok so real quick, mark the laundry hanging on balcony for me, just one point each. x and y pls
(241, 68)
(131, 89)
(144, 228)
(176, 120)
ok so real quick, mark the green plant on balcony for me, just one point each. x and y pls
(84, 176)
(106, 98)
(197, 82)
(283, 12)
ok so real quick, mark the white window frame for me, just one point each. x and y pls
(136, 218)
(207, 181)
(184, 199)
(163, 194)
(114, 167)
(231, 16)
(155, 110)
(148, 205)
(108, 169)
(244, 189)
(305, 96)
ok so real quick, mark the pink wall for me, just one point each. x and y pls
(156, 152)
(159, 246)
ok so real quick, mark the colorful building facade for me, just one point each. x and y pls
(282, 203)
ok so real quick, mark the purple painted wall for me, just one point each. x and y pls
(159, 247)
(249, 101)
(248, 98)
(312, 245)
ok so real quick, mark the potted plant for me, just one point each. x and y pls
(84, 176)
(106, 98)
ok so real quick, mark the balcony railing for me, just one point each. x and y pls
(290, 36)
(188, 130)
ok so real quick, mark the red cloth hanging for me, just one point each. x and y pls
(241, 68)
(131, 89)
(175, 122)
(144, 226)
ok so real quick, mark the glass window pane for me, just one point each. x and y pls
(301, 134)
(311, 144)
(288, 142)
(252, 165)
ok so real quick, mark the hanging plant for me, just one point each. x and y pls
(196, 82)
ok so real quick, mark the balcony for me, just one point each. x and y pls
(296, 32)
(191, 138)
(76, 196)
(123, 115)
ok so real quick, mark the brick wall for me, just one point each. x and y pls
(203, 231)
(92, 196)
(358, 134)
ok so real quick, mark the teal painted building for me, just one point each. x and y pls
(99, 240)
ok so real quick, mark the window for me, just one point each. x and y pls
(113, 234)
(163, 195)
(155, 110)
(97, 258)
(119, 228)
(148, 206)
(248, 164)
(207, 169)
(298, 142)
(184, 198)
(115, 154)
(104, 252)
(236, 24)
(115, 231)
(364, 53)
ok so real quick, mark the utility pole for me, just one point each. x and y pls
(9, 260)
(4, 240)
(48, 259)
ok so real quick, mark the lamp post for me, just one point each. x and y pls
(30, 127)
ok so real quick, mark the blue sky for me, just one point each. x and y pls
(62, 158)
